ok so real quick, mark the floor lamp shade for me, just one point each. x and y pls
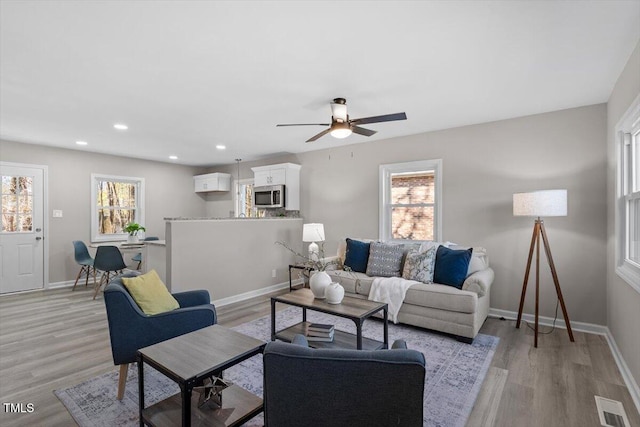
(540, 203)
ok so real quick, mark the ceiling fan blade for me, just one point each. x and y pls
(378, 119)
(318, 136)
(362, 131)
(305, 124)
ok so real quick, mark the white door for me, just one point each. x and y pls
(21, 236)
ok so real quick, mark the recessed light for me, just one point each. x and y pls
(221, 147)
(121, 126)
(173, 157)
(82, 143)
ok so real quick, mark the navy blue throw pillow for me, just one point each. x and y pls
(451, 266)
(357, 255)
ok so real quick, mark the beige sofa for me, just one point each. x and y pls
(460, 312)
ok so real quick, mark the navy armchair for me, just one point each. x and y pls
(306, 386)
(130, 329)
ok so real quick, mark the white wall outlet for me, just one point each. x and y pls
(273, 273)
(57, 213)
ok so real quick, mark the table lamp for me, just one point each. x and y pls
(539, 204)
(313, 233)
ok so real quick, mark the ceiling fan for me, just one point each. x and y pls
(342, 126)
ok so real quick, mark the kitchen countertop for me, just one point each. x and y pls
(230, 219)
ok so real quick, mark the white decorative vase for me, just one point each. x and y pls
(132, 239)
(334, 293)
(318, 283)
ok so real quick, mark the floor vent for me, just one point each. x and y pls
(611, 413)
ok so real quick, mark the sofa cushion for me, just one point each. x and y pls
(357, 255)
(419, 265)
(451, 266)
(442, 297)
(384, 260)
(151, 295)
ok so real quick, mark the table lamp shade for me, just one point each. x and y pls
(313, 233)
(540, 203)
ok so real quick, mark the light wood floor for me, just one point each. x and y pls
(58, 338)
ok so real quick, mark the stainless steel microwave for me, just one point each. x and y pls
(269, 196)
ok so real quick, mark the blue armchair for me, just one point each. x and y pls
(306, 386)
(130, 329)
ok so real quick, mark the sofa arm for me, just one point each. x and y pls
(479, 282)
(192, 298)
(300, 339)
(335, 262)
(399, 344)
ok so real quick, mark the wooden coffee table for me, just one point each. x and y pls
(356, 309)
(187, 360)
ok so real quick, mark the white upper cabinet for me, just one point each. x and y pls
(276, 176)
(287, 174)
(212, 182)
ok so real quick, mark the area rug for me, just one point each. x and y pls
(455, 372)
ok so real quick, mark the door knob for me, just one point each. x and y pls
(38, 238)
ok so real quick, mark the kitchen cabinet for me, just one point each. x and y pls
(287, 174)
(212, 182)
(270, 177)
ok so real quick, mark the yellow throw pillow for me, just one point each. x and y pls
(150, 293)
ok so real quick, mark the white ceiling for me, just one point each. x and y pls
(188, 75)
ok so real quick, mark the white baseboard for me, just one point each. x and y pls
(631, 383)
(251, 294)
(54, 285)
(64, 284)
(589, 328)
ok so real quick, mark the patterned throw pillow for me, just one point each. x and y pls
(420, 265)
(384, 260)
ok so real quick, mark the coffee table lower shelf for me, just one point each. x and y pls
(238, 406)
(341, 339)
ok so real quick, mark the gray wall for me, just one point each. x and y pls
(483, 165)
(169, 193)
(230, 257)
(623, 302)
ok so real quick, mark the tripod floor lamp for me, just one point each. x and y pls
(540, 204)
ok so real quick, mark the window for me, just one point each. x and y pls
(17, 204)
(410, 200)
(115, 202)
(628, 192)
(244, 198)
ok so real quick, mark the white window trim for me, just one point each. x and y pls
(140, 218)
(385, 194)
(626, 269)
(236, 200)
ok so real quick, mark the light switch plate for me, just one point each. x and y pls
(57, 213)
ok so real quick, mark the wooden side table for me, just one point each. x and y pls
(298, 267)
(189, 358)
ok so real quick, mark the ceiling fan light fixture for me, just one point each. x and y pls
(339, 110)
(340, 130)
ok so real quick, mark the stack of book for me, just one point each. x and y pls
(320, 332)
